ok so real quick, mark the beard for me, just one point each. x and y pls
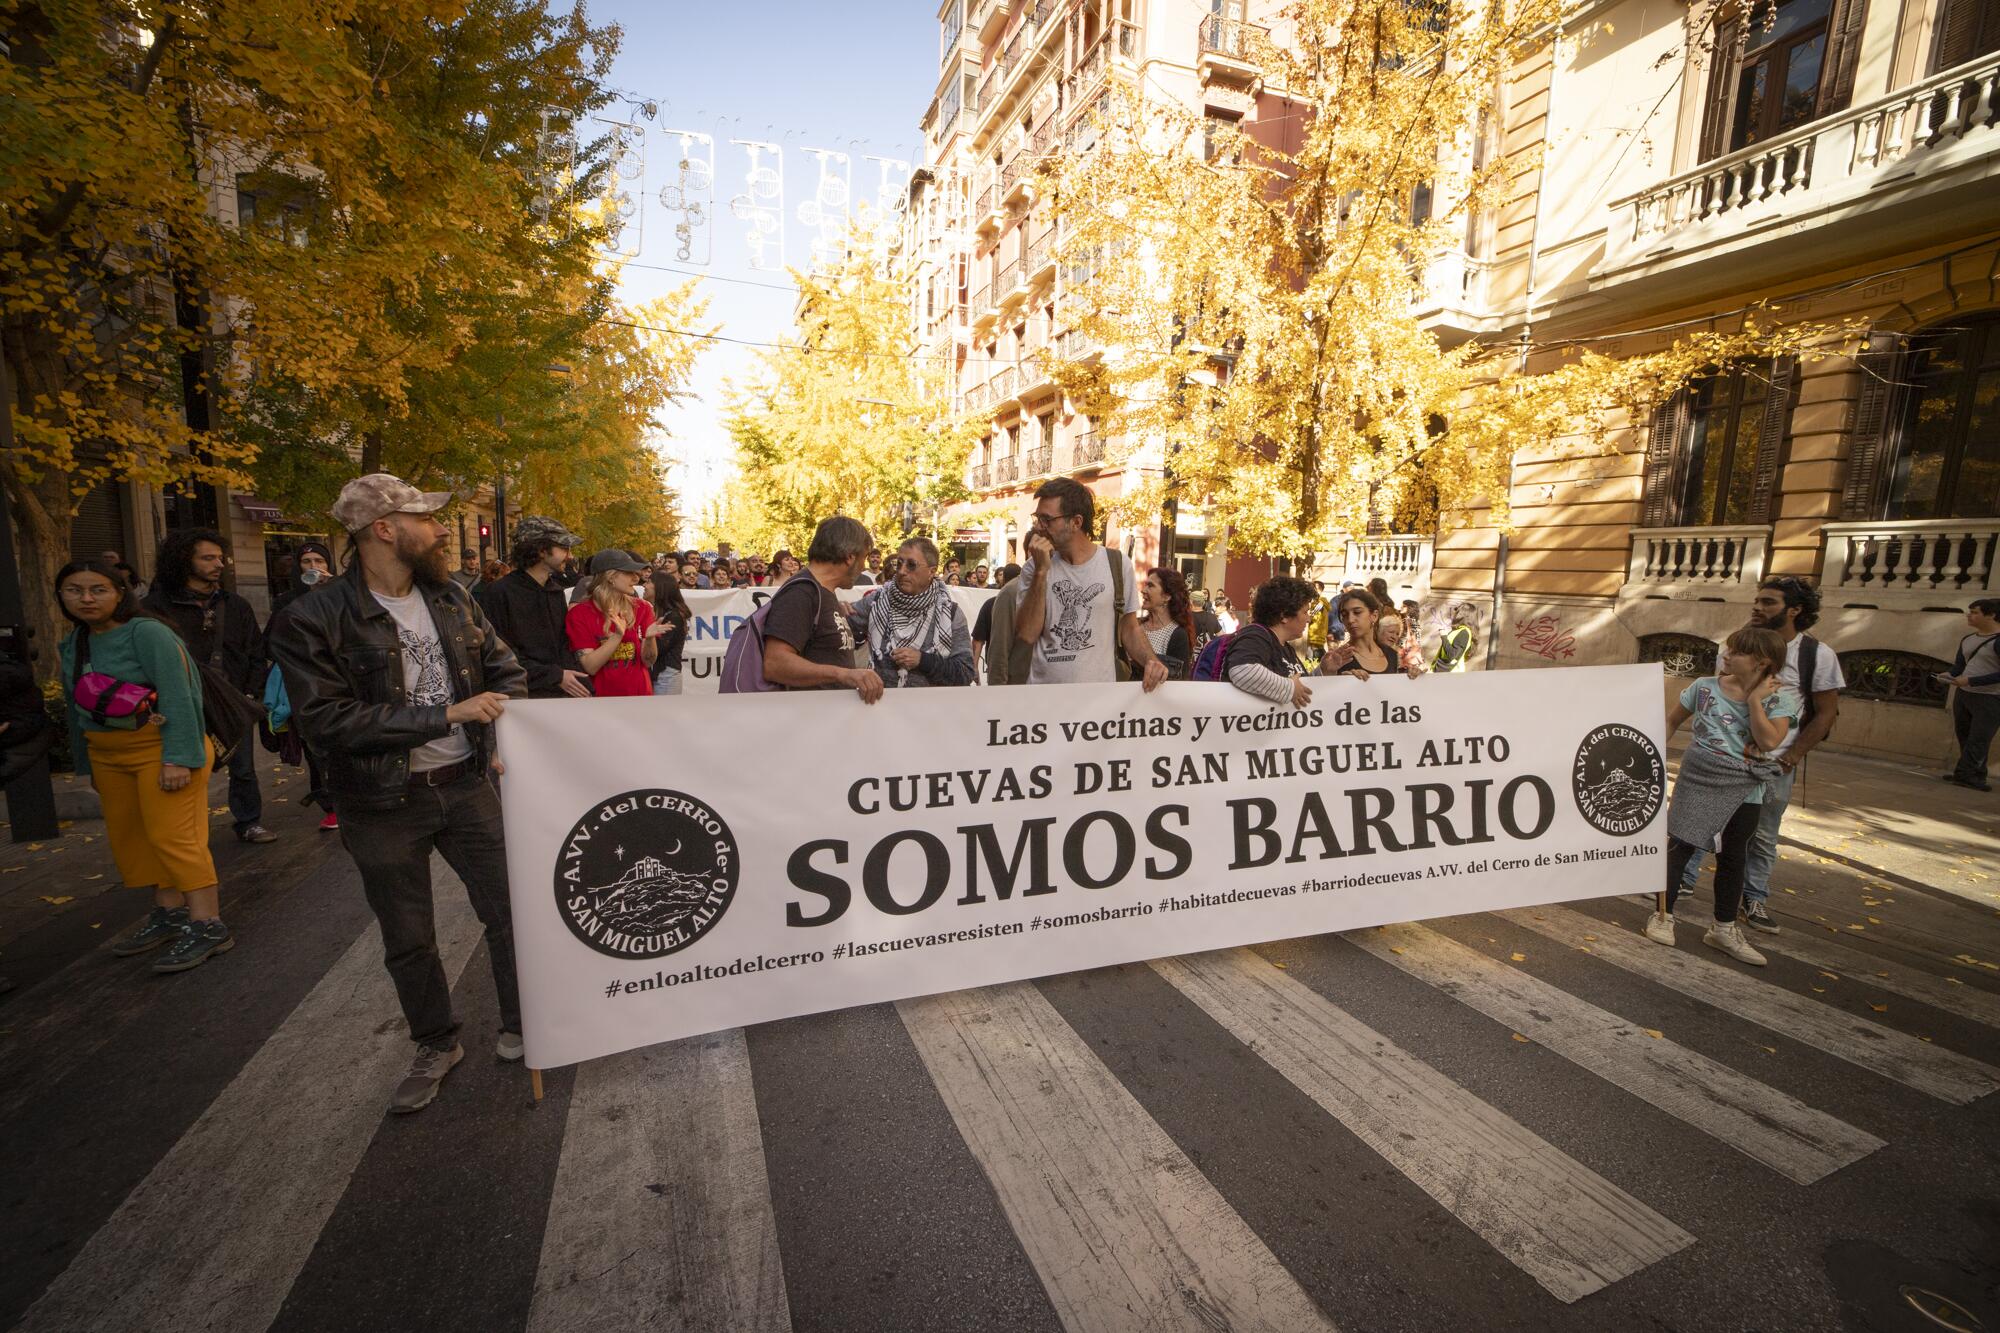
(427, 564)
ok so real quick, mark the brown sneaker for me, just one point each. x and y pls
(419, 1087)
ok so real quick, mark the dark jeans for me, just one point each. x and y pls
(1975, 717)
(393, 849)
(246, 801)
(1730, 862)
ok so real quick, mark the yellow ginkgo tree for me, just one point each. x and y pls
(1255, 290)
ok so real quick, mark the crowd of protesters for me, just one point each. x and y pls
(392, 670)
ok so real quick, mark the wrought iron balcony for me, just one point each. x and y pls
(1225, 36)
(981, 477)
(1696, 562)
(1009, 280)
(1089, 449)
(1006, 471)
(1074, 345)
(1038, 460)
(1005, 384)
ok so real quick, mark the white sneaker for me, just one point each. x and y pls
(1660, 928)
(508, 1046)
(1728, 937)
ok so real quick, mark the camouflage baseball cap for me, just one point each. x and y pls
(380, 494)
(534, 530)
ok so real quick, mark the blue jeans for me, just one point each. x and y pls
(668, 681)
(246, 801)
(1763, 855)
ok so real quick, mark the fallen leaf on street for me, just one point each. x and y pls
(1394, 949)
(93, 877)
(1831, 976)
(1819, 990)
(1772, 1049)
(1591, 938)
(1654, 1033)
(1278, 965)
(1519, 1037)
(34, 846)
(1874, 920)
(1519, 957)
(1954, 981)
(59, 899)
(97, 925)
(1879, 1008)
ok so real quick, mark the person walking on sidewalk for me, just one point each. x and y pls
(220, 629)
(1742, 717)
(148, 758)
(1975, 706)
(397, 677)
(1079, 601)
(1788, 606)
(528, 608)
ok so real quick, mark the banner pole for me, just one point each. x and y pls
(535, 1082)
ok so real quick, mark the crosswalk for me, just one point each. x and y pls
(660, 1210)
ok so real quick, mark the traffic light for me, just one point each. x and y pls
(485, 529)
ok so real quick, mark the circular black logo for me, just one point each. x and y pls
(1619, 779)
(646, 873)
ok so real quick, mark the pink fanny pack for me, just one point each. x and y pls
(114, 703)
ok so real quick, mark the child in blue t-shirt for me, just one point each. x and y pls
(1741, 715)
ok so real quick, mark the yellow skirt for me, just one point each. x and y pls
(159, 838)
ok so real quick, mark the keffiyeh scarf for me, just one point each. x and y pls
(901, 620)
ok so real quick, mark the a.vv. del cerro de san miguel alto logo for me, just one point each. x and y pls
(646, 873)
(1619, 779)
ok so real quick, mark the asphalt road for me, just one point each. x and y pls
(1537, 1123)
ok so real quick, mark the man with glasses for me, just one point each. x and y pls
(1079, 601)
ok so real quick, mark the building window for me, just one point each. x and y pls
(1679, 654)
(1717, 447)
(1778, 64)
(278, 206)
(1894, 677)
(1966, 30)
(1947, 463)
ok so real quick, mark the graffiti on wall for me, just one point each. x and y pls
(1544, 636)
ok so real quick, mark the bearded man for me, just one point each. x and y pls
(395, 679)
(917, 636)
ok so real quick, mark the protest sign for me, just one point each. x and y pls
(715, 616)
(681, 870)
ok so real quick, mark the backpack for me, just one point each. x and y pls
(743, 663)
(1208, 663)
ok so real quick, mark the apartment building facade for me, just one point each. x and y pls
(1788, 160)
(1018, 80)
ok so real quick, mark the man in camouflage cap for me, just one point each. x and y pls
(396, 679)
(528, 608)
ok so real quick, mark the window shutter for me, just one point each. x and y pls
(1773, 441)
(1723, 66)
(1843, 56)
(1663, 446)
(1868, 443)
(1966, 28)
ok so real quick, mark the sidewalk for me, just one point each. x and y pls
(55, 891)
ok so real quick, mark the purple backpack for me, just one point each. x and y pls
(743, 663)
(1208, 665)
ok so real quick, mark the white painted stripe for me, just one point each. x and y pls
(1554, 1218)
(217, 1232)
(1810, 944)
(661, 1215)
(1895, 1055)
(1124, 1231)
(1757, 1120)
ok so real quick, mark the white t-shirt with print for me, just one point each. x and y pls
(1826, 676)
(1079, 624)
(426, 677)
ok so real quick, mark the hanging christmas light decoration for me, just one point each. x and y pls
(881, 218)
(624, 181)
(762, 204)
(555, 169)
(827, 211)
(691, 196)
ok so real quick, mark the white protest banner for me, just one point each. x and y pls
(714, 617)
(682, 870)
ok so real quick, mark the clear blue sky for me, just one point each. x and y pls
(854, 78)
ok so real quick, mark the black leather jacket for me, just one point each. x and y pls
(343, 669)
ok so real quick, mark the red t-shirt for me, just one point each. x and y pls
(626, 672)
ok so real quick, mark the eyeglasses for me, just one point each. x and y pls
(1043, 520)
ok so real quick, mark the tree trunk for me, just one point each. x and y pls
(40, 508)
